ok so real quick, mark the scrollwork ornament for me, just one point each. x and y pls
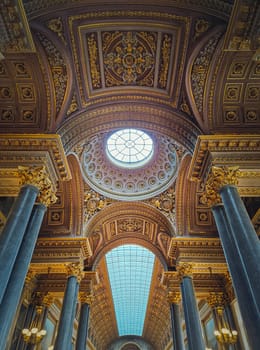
(218, 177)
(38, 177)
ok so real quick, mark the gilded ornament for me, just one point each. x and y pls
(201, 26)
(216, 299)
(94, 61)
(86, 298)
(56, 26)
(184, 270)
(165, 60)
(38, 177)
(218, 177)
(174, 297)
(75, 269)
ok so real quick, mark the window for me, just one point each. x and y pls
(129, 148)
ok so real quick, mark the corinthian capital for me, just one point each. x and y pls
(216, 300)
(218, 177)
(86, 298)
(38, 177)
(75, 269)
(184, 270)
(174, 297)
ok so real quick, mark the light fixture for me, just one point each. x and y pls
(224, 333)
(34, 334)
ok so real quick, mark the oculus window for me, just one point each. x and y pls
(129, 148)
(130, 269)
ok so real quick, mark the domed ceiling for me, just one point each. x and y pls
(129, 183)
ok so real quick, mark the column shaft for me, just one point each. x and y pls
(13, 232)
(242, 287)
(176, 327)
(83, 327)
(191, 313)
(16, 282)
(65, 329)
(245, 238)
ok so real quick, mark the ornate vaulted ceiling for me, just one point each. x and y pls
(177, 70)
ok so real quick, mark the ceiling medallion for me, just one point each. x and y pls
(148, 175)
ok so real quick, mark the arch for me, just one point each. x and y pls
(129, 223)
(101, 119)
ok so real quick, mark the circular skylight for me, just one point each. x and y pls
(129, 148)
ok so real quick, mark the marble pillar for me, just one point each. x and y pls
(83, 325)
(15, 285)
(239, 274)
(65, 329)
(177, 333)
(190, 307)
(13, 232)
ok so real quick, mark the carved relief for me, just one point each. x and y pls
(200, 69)
(56, 26)
(38, 177)
(58, 69)
(218, 177)
(129, 58)
(94, 60)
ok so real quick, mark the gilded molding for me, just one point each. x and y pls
(219, 150)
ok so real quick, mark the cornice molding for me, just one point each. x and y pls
(31, 150)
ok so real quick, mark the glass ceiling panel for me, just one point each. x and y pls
(130, 270)
(129, 147)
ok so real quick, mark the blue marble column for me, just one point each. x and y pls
(176, 326)
(241, 280)
(82, 335)
(15, 285)
(191, 314)
(245, 238)
(13, 232)
(65, 329)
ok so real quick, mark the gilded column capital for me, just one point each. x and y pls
(38, 177)
(75, 269)
(86, 298)
(184, 270)
(29, 277)
(217, 178)
(174, 297)
(216, 300)
(48, 300)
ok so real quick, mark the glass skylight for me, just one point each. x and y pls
(130, 147)
(130, 270)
